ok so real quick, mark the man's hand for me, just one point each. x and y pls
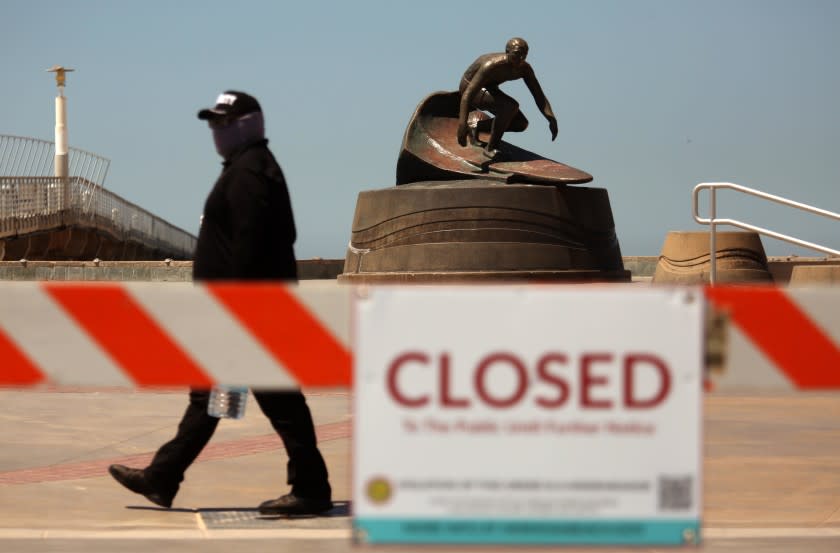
(552, 126)
(462, 133)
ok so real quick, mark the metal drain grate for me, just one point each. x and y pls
(240, 519)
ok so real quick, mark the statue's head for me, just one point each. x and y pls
(517, 49)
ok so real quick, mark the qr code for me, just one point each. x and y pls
(676, 493)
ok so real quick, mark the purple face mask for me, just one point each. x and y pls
(240, 132)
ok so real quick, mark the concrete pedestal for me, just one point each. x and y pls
(686, 256)
(441, 231)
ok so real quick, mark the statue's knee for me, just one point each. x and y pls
(518, 124)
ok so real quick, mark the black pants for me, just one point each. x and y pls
(290, 417)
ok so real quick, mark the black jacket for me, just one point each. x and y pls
(248, 231)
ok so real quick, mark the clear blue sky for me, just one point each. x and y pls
(652, 97)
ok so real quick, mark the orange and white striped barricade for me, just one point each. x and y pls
(776, 338)
(174, 334)
(457, 380)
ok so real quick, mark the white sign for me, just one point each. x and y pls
(528, 415)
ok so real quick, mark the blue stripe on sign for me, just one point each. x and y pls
(525, 531)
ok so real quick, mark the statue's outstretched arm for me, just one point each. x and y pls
(542, 102)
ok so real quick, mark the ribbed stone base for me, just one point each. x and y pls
(482, 230)
(488, 277)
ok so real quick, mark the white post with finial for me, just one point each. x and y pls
(62, 163)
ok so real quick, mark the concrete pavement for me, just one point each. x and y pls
(772, 475)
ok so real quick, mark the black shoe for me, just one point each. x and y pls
(136, 481)
(291, 504)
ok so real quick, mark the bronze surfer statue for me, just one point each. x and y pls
(479, 90)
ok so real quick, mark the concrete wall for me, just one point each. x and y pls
(641, 267)
(150, 271)
(153, 271)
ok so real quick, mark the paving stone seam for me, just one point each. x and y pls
(56, 389)
(751, 533)
(213, 452)
(179, 534)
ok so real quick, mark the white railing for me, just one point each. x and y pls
(713, 221)
(31, 204)
(31, 157)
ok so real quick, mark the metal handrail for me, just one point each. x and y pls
(32, 204)
(712, 221)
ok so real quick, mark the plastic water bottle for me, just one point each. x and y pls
(227, 402)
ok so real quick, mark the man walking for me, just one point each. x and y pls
(247, 233)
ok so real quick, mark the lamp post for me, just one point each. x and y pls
(62, 164)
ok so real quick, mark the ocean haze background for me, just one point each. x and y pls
(652, 97)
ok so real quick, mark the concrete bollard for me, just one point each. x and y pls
(685, 258)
